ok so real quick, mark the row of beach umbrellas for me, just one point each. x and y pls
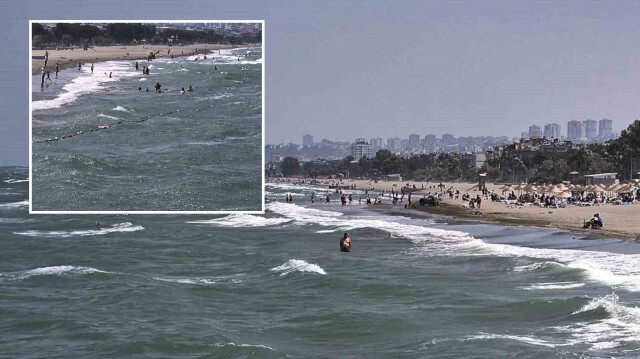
(562, 189)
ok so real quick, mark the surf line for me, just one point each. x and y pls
(106, 126)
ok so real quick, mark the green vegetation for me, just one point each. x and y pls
(127, 33)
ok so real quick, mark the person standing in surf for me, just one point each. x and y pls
(345, 243)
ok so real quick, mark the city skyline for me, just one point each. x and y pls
(575, 131)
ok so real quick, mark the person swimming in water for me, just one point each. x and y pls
(345, 243)
(110, 74)
(147, 89)
(190, 88)
(182, 91)
(215, 68)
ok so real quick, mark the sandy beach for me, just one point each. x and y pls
(70, 58)
(619, 221)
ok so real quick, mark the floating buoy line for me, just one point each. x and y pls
(106, 126)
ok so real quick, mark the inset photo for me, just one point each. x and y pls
(146, 116)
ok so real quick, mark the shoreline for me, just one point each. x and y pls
(451, 211)
(620, 221)
(70, 58)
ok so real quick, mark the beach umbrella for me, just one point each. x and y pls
(564, 194)
(562, 187)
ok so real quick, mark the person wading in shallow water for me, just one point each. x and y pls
(345, 243)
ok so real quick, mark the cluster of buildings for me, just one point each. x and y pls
(577, 131)
(414, 144)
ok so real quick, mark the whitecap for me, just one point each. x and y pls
(107, 116)
(298, 265)
(553, 285)
(13, 180)
(61, 270)
(221, 345)
(119, 227)
(521, 338)
(621, 325)
(243, 220)
(120, 108)
(14, 204)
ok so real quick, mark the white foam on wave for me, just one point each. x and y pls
(298, 265)
(53, 270)
(120, 108)
(119, 227)
(539, 266)
(618, 270)
(13, 180)
(15, 204)
(243, 220)
(107, 116)
(231, 344)
(337, 219)
(205, 143)
(199, 281)
(520, 338)
(553, 285)
(621, 325)
(85, 83)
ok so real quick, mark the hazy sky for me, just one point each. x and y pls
(347, 69)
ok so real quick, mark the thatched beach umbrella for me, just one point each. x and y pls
(564, 194)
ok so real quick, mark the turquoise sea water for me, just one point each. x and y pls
(276, 286)
(196, 151)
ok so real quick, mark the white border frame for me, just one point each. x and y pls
(262, 170)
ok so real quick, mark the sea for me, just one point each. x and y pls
(198, 151)
(276, 285)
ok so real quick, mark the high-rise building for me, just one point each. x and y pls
(430, 140)
(534, 131)
(448, 139)
(360, 139)
(551, 130)
(414, 140)
(605, 129)
(574, 130)
(376, 143)
(524, 135)
(307, 140)
(393, 143)
(590, 128)
(361, 149)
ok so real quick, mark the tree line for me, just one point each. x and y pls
(127, 33)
